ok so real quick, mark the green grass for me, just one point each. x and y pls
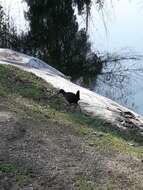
(22, 177)
(111, 144)
(85, 184)
(14, 81)
(36, 104)
(8, 168)
(100, 125)
(32, 98)
(86, 131)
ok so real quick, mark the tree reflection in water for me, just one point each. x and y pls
(120, 78)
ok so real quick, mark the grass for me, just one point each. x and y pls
(85, 184)
(8, 168)
(111, 144)
(33, 100)
(22, 83)
(22, 177)
(27, 94)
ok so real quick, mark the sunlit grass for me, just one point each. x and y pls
(30, 97)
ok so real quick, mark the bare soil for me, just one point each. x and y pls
(54, 156)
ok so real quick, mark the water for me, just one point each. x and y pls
(124, 84)
(123, 34)
(116, 29)
(124, 28)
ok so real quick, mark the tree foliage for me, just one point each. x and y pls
(8, 35)
(55, 36)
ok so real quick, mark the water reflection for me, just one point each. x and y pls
(121, 80)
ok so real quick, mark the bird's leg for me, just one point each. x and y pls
(68, 105)
(79, 108)
(76, 106)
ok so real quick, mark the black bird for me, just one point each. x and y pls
(71, 97)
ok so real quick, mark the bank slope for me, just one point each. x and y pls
(47, 145)
(90, 103)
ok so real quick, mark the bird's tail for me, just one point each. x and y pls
(78, 94)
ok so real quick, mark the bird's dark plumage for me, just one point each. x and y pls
(71, 97)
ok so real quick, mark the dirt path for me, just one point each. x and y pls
(56, 157)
